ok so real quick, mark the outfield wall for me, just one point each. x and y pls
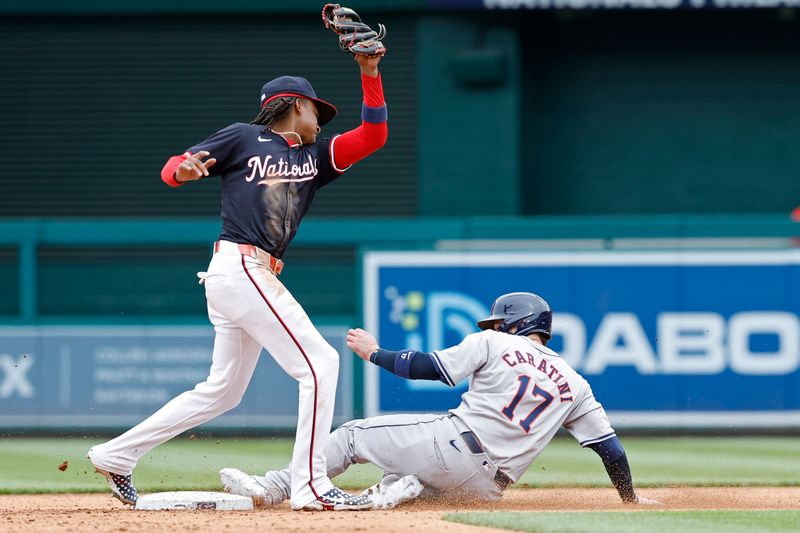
(104, 377)
(678, 322)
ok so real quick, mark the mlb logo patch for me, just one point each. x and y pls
(486, 466)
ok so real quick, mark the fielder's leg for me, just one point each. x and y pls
(281, 325)
(233, 361)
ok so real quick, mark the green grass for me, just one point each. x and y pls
(650, 521)
(31, 465)
(768, 461)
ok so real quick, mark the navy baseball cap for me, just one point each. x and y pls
(300, 87)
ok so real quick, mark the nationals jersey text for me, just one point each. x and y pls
(267, 184)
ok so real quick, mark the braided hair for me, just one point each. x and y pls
(273, 111)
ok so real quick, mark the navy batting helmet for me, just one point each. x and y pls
(528, 311)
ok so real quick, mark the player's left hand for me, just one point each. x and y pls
(194, 167)
(361, 342)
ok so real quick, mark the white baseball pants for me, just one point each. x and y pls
(249, 309)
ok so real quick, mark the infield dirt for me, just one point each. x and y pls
(101, 512)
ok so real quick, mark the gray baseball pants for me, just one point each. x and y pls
(429, 446)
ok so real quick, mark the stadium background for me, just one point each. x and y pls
(509, 128)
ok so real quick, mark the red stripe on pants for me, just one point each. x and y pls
(314, 419)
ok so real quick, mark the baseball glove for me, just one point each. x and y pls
(355, 37)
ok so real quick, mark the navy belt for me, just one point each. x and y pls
(475, 446)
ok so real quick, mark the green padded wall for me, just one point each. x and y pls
(9, 281)
(661, 112)
(93, 107)
(469, 102)
(323, 279)
(117, 282)
(120, 282)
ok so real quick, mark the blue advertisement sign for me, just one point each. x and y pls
(115, 376)
(675, 339)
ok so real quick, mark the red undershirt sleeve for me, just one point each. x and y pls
(356, 144)
(168, 172)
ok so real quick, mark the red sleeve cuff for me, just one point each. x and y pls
(168, 172)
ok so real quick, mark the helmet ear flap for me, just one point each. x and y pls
(505, 326)
(540, 323)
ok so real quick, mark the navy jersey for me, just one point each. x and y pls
(267, 186)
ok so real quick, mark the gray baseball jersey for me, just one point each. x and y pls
(520, 393)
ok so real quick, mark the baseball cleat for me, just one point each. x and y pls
(338, 500)
(121, 486)
(258, 488)
(389, 495)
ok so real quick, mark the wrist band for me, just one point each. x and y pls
(374, 115)
(374, 354)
